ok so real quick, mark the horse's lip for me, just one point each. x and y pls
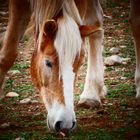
(64, 132)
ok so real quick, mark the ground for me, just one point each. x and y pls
(117, 118)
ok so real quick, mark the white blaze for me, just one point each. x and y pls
(68, 85)
(68, 44)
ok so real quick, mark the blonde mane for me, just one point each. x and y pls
(47, 9)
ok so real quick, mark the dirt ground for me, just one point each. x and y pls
(119, 116)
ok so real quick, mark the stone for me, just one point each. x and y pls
(4, 13)
(105, 67)
(106, 16)
(34, 101)
(114, 50)
(109, 104)
(112, 60)
(124, 63)
(14, 72)
(25, 101)
(5, 125)
(122, 46)
(12, 94)
(19, 139)
(20, 52)
(123, 78)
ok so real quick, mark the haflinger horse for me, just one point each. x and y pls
(60, 31)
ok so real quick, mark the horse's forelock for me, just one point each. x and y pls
(47, 9)
(68, 42)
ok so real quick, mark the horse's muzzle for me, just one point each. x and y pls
(62, 126)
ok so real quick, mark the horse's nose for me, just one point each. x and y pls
(59, 126)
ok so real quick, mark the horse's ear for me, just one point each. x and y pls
(50, 28)
(86, 30)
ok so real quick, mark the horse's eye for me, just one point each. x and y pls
(49, 63)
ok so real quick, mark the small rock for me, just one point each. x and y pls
(25, 101)
(19, 139)
(20, 52)
(34, 101)
(114, 50)
(130, 109)
(124, 63)
(122, 46)
(126, 60)
(123, 78)
(112, 60)
(110, 104)
(12, 94)
(4, 13)
(105, 67)
(111, 78)
(37, 114)
(14, 72)
(5, 125)
(109, 17)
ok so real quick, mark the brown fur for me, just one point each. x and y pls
(19, 15)
(47, 50)
(37, 71)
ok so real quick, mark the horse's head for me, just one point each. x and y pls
(54, 65)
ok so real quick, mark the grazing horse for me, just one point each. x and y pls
(60, 31)
(60, 28)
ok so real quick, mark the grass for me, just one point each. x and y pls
(121, 90)
(20, 67)
(97, 134)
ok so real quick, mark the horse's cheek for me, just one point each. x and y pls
(35, 76)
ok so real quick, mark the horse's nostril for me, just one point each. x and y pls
(73, 125)
(58, 126)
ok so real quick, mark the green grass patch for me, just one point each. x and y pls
(121, 90)
(20, 67)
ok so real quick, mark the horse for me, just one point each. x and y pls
(60, 32)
